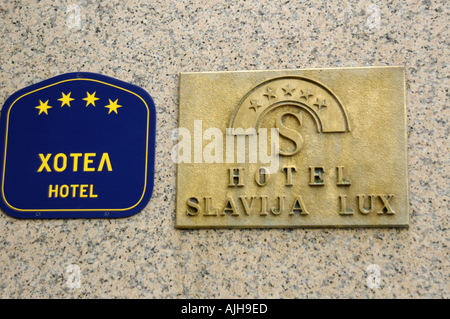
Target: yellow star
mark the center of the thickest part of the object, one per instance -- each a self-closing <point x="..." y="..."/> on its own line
<point x="66" y="99"/>
<point x="43" y="107"/>
<point x="90" y="99"/>
<point x="113" y="106"/>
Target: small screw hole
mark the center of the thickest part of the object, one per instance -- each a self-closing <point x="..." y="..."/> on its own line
<point x="38" y="214"/>
<point x="80" y="75"/>
<point x="107" y="214"/>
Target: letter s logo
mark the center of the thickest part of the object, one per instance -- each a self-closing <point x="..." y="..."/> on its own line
<point x="290" y="134"/>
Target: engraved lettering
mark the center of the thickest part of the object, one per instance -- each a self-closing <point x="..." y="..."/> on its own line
<point x="280" y="209"/>
<point x="263" y="206"/>
<point x="290" y="134"/>
<point x="247" y="208"/>
<point x="230" y="207"/>
<point x="361" y="204"/>
<point x="208" y="210"/>
<point x="341" y="180"/>
<point x="193" y="203"/>
<point x="262" y="176"/>
<point x="344" y="210"/>
<point x="289" y="170"/>
<point x="236" y="177"/>
<point x="317" y="176"/>
<point x="299" y="206"/>
<point x="387" y="209"/>
<point x="339" y="176"/>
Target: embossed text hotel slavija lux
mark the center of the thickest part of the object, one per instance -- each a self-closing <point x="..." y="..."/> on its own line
<point x="331" y="159"/>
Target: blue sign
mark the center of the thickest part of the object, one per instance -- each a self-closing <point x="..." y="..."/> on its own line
<point x="80" y="145"/>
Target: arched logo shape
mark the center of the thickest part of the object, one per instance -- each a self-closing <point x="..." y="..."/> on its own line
<point x="316" y="99"/>
<point x="80" y="145"/>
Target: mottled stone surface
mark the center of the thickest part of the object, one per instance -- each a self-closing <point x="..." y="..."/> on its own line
<point x="148" y="43"/>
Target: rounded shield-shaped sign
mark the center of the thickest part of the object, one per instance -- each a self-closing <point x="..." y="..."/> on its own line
<point x="80" y="145"/>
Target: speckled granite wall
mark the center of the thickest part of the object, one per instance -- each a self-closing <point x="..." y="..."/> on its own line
<point x="148" y="43"/>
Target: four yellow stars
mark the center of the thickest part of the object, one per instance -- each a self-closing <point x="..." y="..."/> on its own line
<point x="90" y="99"/>
<point x="66" y="99"/>
<point x="113" y="106"/>
<point x="43" y="107"/>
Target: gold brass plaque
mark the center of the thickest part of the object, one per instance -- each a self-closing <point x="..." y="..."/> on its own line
<point x="292" y="148"/>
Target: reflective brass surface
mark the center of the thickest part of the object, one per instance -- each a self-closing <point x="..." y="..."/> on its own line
<point x="342" y="146"/>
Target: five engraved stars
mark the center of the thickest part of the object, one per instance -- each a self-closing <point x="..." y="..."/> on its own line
<point x="90" y="99"/>
<point x="289" y="91"/>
